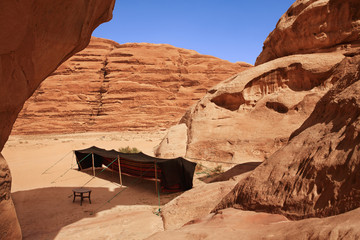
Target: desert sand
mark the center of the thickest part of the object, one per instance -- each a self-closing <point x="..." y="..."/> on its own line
<point x="43" y="200"/>
<point x="44" y="174"/>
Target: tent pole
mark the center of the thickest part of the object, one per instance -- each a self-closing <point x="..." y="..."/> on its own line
<point x="93" y="165"/>
<point x="156" y="185"/>
<point x="120" y="171"/>
<point x="77" y="162"/>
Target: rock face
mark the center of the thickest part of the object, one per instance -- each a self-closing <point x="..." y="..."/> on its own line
<point x="317" y="173"/>
<point x="113" y="87"/>
<point x="251" y="115"/>
<point x="36" y="37"/>
<point x="311" y="26"/>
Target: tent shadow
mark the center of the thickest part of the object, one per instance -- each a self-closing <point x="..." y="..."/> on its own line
<point x="43" y="212"/>
<point x="146" y="186"/>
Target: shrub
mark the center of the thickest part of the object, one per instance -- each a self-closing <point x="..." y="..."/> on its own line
<point x="218" y="169"/>
<point x="129" y="150"/>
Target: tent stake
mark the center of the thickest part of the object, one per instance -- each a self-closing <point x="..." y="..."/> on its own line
<point x="120" y="171"/>
<point x="156" y="180"/>
<point x="93" y="165"/>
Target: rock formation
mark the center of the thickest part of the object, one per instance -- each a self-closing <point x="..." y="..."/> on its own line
<point x="311" y="26"/>
<point x="232" y="224"/>
<point x="194" y="204"/>
<point x="116" y="87"/>
<point x="251" y="115"/>
<point x="316" y="173"/>
<point x="36" y="36"/>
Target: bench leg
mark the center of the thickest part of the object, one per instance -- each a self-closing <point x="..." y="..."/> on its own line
<point x="74" y="197"/>
<point x="89" y="198"/>
<point x="81" y="195"/>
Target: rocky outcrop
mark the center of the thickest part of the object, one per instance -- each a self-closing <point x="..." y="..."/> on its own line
<point x="317" y="173"/>
<point x="193" y="204"/>
<point x="116" y="87"/>
<point x="311" y="26"/>
<point x="9" y="226"/>
<point x="36" y="36"/>
<point x="234" y="224"/>
<point x="251" y="115"/>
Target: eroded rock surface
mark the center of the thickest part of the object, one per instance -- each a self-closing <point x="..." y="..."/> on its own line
<point x="251" y="115"/>
<point x="311" y="26"/>
<point x="317" y="173"/>
<point x="116" y="87"/>
<point x="36" y="36"/>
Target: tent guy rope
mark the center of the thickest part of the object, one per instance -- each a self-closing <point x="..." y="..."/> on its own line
<point x="68" y="170"/>
<point x="96" y="174"/>
<point x="56" y="163"/>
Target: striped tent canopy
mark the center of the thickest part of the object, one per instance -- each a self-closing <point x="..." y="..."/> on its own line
<point x="174" y="174"/>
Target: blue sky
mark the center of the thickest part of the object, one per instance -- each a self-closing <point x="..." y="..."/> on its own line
<point x="229" y="29"/>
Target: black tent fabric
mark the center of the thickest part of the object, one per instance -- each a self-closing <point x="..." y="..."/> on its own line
<point x="174" y="174"/>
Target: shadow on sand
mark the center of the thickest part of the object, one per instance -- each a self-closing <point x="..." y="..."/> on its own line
<point x="43" y="212"/>
<point x="232" y="172"/>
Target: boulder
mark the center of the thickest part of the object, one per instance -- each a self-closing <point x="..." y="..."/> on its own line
<point x="37" y="36"/>
<point x="174" y="143"/>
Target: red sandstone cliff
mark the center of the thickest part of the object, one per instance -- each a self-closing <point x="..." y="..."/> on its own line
<point x="116" y="87"/>
<point x="36" y="37"/>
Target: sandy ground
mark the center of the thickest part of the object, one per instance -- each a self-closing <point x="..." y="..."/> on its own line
<point x="43" y="196"/>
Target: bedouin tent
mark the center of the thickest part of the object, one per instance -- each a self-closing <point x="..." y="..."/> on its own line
<point x="174" y="174"/>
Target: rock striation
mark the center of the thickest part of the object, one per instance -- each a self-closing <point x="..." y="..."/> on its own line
<point x="120" y="87"/>
<point x="36" y="37"/>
